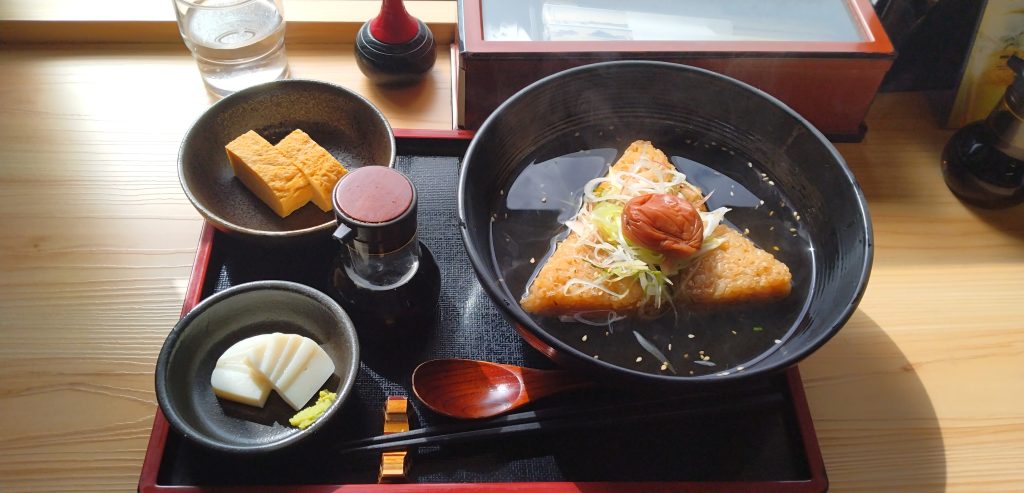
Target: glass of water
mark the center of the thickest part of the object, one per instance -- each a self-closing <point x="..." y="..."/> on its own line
<point x="237" y="43"/>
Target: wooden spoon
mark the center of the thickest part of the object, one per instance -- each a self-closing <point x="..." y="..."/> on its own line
<point x="469" y="389"/>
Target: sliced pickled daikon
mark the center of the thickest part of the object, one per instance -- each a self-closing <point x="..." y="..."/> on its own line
<point x="292" y="343"/>
<point x="297" y="363"/>
<point x="233" y="379"/>
<point x="241" y="348"/>
<point x="308" y="378"/>
<point x="271" y="354"/>
<point x="293" y="365"/>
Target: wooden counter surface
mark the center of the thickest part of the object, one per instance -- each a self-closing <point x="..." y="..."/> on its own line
<point x="923" y="390"/>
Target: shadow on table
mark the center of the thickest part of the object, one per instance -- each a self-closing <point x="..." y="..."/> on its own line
<point x="875" y="421"/>
<point x="1009" y="221"/>
<point x="416" y="96"/>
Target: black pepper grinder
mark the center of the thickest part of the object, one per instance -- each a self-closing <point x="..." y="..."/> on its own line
<point x="384" y="277"/>
<point x="983" y="163"/>
<point x="395" y="48"/>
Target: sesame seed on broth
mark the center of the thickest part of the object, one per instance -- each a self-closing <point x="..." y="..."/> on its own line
<point x="547" y="191"/>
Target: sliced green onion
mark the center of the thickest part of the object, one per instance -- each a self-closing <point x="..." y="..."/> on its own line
<point x="591" y="284"/>
<point x="607" y="216"/>
<point x="610" y="317"/>
<point x="712" y="219"/>
<point x="651" y="348"/>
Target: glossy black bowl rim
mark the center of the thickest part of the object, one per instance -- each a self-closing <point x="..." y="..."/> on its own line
<point x="482" y="264"/>
<point x="345" y="386"/>
<point x="250" y="93"/>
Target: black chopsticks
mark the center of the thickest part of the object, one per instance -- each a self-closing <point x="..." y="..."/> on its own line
<point x="557" y="419"/>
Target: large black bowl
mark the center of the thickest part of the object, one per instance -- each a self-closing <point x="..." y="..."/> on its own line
<point x="763" y="149"/>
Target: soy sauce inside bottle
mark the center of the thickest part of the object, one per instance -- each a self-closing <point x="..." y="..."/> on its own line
<point x="983" y="163"/>
<point x="383" y="276"/>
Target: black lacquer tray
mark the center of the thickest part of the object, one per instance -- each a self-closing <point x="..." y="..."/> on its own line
<point x="764" y="443"/>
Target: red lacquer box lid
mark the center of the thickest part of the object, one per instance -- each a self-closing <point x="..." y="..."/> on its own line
<point x="824" y="59"/>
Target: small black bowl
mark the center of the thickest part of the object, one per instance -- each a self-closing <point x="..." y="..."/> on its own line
<point x="726" y="135"/>
<point x="344" y="123"/>
<point x="192" y="348"/>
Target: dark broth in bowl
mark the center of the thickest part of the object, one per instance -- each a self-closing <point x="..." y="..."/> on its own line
<point x="528" y="222"/>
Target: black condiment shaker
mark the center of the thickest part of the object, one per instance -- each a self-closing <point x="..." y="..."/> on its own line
<point x="395" y="48"/>
<point x="983" y="163"/>
<point x="384" y="277"/>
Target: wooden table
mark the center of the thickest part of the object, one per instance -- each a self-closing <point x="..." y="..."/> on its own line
<point x="923" y="390"/>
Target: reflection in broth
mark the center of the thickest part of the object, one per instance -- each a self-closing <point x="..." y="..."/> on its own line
<point x="557" y="184"/>
<point x="528" y="224"/>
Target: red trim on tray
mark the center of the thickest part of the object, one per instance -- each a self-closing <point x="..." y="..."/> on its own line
<point x="198" y="275"/>
<point x="158" y="437"/>
<point x="812" y="450"/>
<point x="876" y="42"/>
<point x="421" y="133"/>
<point x="551" y="487"/>
<point x="154" y="454"/>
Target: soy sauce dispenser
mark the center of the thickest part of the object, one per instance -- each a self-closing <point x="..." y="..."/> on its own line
<point x="384" y="277"/>
<point x="395" y="48"/>
<point x="983" y="163"/>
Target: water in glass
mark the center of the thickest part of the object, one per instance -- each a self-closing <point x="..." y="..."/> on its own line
<point x="237" y="44"/>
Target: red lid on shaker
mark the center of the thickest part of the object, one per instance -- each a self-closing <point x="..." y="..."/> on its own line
<point x="375" y="206"/>
<point x="394" y="25"/>
<point x="373" y="194"/>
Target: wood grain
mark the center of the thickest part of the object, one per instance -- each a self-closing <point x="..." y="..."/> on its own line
<point x="97" y="240"/>
<point x="151" y="21"/>
<point x="923" y="390"/>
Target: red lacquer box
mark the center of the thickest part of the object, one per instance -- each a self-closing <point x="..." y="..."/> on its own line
<point x="824" y="59"/>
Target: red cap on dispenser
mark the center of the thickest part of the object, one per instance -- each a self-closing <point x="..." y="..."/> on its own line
<point x="393" y="25"/>
<point x="375" y="206"/>
<point x="373" y="194"/>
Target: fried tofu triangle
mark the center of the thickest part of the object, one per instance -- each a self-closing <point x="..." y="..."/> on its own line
<point x="735" y="271"/>
<point x="548" y="294"/>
